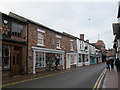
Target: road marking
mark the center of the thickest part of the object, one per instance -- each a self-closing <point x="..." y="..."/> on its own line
<point x="99" y="79"/>
<point x="32" y="79"/>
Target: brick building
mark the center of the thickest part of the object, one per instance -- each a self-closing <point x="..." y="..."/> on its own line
<point x="44" y="44"/>
<point x="14" y="44"/>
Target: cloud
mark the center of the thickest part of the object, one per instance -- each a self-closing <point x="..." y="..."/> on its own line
<point x="91" y="18"/>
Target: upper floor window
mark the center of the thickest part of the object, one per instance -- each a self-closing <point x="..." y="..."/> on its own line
<point x="71" y="45"/>
<point x="40" y="37"/>
<point x="86" y="46"/>
<point x="80" y="44"/>
<point x="58" y="42"/>
<point x="17" y="29"/>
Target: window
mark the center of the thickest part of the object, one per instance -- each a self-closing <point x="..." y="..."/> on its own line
<point x="40" y="60"/>
<point x="58" y="42"/>
<point x="86" y="46"/>
<point x="41" y="37"/>
<point x="80" y="44"/>
<point x="5" y="56"/>
<point x="79" y="57"/>
<point x="72" y="59"/>
<point x="71" y="45"/>
<point x="17" y="29"/>
<point x="86" y="58"/>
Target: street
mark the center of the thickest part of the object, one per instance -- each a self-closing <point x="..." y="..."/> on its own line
<point x="83" y="78"/>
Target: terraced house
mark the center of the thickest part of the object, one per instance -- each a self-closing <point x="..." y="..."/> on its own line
<point x="44" y="44"/>
<point x="29" y="47"/>
<point x="83" y="51"/>
<point x="14" y="44"/>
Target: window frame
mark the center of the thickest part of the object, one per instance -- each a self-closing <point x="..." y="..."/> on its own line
<point x="58" y="42"/>
<point x="17" y="27"/>
<point x="71" y="45"/>
<point x="39" y="38"/>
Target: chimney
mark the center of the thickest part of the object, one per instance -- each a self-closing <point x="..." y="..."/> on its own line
<point x="82" y="36"/>
<point x="87" y="40"/>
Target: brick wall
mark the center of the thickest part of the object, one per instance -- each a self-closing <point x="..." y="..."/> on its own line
<point x="49" y="37"/>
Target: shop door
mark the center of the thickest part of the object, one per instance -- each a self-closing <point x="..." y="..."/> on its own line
<point x="83" y="57"/>
<point x="16" y="62"/>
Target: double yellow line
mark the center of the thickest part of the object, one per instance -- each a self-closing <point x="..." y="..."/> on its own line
<point x="99" y="80"/>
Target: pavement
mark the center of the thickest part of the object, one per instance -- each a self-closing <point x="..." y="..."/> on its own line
<point x="82" y="77"/>
<point x="112" y="79"/>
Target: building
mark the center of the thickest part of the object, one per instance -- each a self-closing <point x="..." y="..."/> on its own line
<point x="44" y="44"/>
<point x="100" y="44"/>
<point x="14" y="45"/>
<point x="92" y="54"/>
<point x="83" y="51"/>
<point x="116" y="33"/>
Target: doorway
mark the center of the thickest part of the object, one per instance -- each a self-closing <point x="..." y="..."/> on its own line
<point x="16" y="61"/>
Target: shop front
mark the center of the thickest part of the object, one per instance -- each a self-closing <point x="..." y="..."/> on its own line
<point x="45" y="59"/>
<point x="71" y="60"/>
<point x="92" y="59"/>
<point x="13" y="58"/>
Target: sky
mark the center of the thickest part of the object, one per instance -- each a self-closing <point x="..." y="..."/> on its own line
<point x="92" y="18"/>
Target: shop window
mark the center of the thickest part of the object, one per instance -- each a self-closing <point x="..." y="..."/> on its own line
<point x="86" y="58"/>
<point x="5" y="56"/>
<point x="17" y="29"/>
<point x="39" y="60"/>
<point x="79" y="57"/>
<point x="72" y="59"/>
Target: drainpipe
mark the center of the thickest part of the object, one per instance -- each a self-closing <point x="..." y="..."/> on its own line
<point x="27" y="48"/>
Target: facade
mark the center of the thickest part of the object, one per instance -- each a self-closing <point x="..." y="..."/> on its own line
<point x="100" y="44"/>
<point x="92" y="54"/>
<point x="29" y="47"/>
<point x="44" y="44"/>
<point x="83" y="52"/>
<point x="14" y="44"/>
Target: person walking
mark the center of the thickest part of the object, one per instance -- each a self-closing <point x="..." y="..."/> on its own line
<point x="108" y="64"/>
<point x="57" y="62"/>
<point x="117" y="64"/>
<point x="112" y="63"/>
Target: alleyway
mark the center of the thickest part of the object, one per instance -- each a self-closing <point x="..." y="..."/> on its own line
<point x="81" y="78"/>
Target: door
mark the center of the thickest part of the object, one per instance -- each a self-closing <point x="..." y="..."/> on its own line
<point x="16" y="62"/>
<point x="83" y="57"/>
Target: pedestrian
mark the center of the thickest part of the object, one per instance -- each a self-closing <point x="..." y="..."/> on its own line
<point x="108" y="64"/>
<point x="57" y="62"/>
<point x="117" y="64"/>
<point x="112" y="63"/>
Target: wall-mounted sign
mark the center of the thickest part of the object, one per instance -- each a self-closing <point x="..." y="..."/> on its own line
<point x="5" y="22"/>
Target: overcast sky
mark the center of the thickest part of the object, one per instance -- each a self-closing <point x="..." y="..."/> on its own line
<point x="89" y="18"/>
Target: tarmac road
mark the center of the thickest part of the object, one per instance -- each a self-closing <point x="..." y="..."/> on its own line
<point x="84" y="77"/>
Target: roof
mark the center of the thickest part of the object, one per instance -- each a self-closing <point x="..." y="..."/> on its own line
<point x="36" y="23"/>
<point x="100" y="43"/>
<point x="14" y="18"/>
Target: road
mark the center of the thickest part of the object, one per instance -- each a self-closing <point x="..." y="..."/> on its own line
<point x="84" y="77"/>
